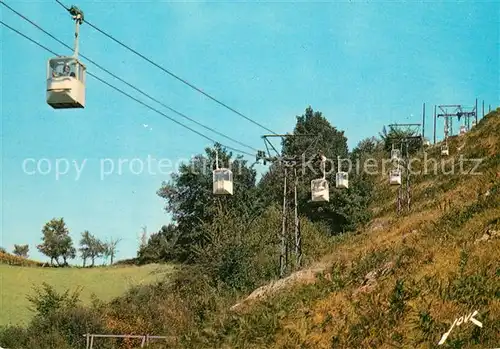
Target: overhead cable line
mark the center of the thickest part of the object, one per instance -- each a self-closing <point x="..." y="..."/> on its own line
<point x="172" y="74"/>
<point x="128" y="95"/>
<point x="127" y="83"/>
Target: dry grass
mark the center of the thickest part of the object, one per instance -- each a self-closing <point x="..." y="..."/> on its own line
<point x="440" y="273"/>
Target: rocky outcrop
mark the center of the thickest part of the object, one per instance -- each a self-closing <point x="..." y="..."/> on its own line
<point x="488" y="235"/>
<point x="371" y="279"/>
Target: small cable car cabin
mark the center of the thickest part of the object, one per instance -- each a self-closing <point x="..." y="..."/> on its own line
<point x="395" y="177"/>
<point x="319" y="190"/>
<point x="342" y="180"/>
<point x="444" y="150"/>
<point x="395" y="154"/>
<point x="462" y="130"/>
<point x="222" y="182"/>
<point x="65" y="83"/>
<point x="473" y="123"/>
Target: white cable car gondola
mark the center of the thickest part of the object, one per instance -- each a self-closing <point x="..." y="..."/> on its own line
<point x="395" y="154"/>
<point x="395" y="177"/>
<point x="319" y="190"/>
<point x="341" y="178"/>
<point x="66" y="75"/>
<point x="444" y="150"/>
<point x="319" y="187"/>
<point x="222" y="180"/>
<point x="65" y="83"/>
<point x="473" y="123"/>
<point x="462" y="130"/>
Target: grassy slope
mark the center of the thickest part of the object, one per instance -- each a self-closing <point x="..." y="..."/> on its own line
<point x="105" y="282"/>
<point x="434" y="270"/>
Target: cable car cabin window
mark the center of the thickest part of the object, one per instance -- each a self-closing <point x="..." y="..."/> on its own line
<point x="395" y="177"/>
<point x="319" y="185"/>
<point x="223" y="175"/>
<point x="65" y="67"/>
<point x="319" y="190"/>
<point x="342" y="180"/>
<point x="342" y="175"/>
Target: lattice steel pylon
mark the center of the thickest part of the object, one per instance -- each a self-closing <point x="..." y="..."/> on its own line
<point x="290" y="235"/>
<point x="403" y="201"/>
<point x="290" y="239"/>
<point x="450" y="111"/>
<point x="404" y="190"/>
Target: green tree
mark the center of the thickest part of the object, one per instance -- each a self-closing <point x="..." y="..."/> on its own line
<point x="84" y="249"/>
<point x="110" y="249"/>
<point x="161" y="246"/>
<point x="324" y="139"/>
<point x="21" y="250"/>
<point x="190" y="200"/>
<point x="91" y="247"/>
<point x="56" y="242"/>
<point x="367" y="147"/>
<point x="395" y="137"/>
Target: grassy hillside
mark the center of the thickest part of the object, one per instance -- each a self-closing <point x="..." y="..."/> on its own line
<point x="403" y="281"/>
<point x="106" y="283"/>
<point x="400" y="282"/>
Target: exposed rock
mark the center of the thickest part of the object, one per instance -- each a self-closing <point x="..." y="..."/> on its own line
<point x="371" y="279"/>
<point x="488" y="235"/>
<point x="306" y="276"/>
<point x="387" y="268"/>
<point x="365" y="289"/>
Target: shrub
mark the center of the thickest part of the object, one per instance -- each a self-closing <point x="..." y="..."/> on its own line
<point x="10" y="259"/>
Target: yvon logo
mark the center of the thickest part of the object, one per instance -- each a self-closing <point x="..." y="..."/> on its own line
<point x="458" y="322"/>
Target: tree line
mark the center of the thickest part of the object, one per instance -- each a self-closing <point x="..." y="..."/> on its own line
<point x="58" y="245"/>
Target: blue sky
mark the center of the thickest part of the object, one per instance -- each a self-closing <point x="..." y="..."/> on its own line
<point x="364" y="65"/>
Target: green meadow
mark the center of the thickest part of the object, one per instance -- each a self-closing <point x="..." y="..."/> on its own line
<point x="16" y="283"/>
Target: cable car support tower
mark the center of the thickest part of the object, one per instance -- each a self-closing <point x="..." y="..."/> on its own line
<point x="290" y="235"/>
<point x="450" y="111"/>
<point x="400" y="159"/>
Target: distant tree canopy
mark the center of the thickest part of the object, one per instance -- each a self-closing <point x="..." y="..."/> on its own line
<point x="367" y="147"/>
<point x="56" y="242"/>
<point x="161" y="246"/>
<point x="21" y="250"/>
<point x="396" y="136"/>
<point x="91" y="247"/>
<point x="325" y="137"/>
<point x="110" y="249"/>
